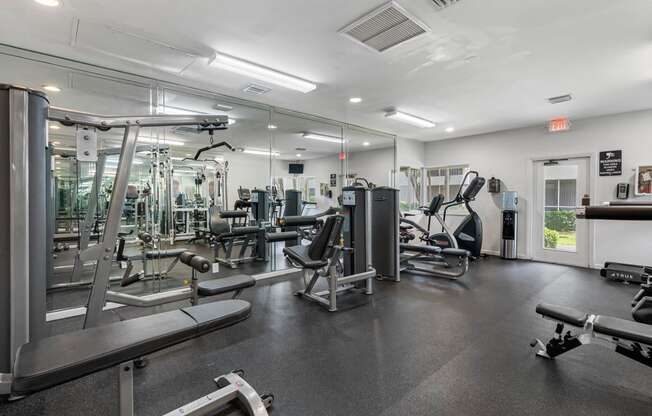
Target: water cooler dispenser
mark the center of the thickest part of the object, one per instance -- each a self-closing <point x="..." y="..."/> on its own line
<point x="508" y="248"/>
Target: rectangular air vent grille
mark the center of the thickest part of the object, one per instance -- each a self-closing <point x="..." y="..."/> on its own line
<point x="386" y="27"/>
<point x="256" y="89"/>
<point x="560" y="99"/>
<point x="442" y="4"/>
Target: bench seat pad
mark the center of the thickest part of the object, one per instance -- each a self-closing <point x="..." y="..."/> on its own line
<point x="419" y="248"/>
<point x="281" y="236"/>
<point x="623" y="329"/>
<point x="155" y="254"/>
<point x="236" y="213"/>
<point x="301" y="256"/>
<point x="61" y="358"/>
<point x="215" y="287"/>
<point x="562" y="313"/>
<point x="458" y="252"/>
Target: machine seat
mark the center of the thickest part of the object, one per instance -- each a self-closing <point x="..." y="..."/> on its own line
<point x="300" y="254"/>
<point x="238" y="232"/>
<point x="58" y="359"/>
<point x="623" y="329"/>
<point x="457" y="252"/>
<point x="236" y="213"/>
<point x="563" y="314"/>
<point x="419" y="248"/>
<point x="216" y="287"/>
<point x="282" y="236"/>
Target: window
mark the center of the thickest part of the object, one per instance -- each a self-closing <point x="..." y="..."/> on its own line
<point x="446" y="181"/>
<point x="409" y="185"/>
<point x="560" y="194"/>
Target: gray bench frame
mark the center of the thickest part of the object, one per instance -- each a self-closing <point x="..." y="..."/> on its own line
<point x="587" y="334"/>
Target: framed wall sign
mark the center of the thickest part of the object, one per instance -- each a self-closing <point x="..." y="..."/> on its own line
<point x="644" y="180"/>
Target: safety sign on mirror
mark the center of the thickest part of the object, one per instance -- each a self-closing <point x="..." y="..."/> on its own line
<point x="86" y="145"/>
<point x="348" y="198"/>
<point x="216" y="267"/>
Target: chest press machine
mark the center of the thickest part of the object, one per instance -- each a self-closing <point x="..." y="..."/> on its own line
<point x="30" y="360"/>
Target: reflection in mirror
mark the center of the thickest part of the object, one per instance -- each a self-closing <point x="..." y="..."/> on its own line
<point x="369" y="157"/>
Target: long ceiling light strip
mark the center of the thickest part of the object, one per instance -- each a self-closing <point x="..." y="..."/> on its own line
<point x="261" y="152"/>
<point x="410" y="119"/>
<point x="322" y="137"/>
<point x="242" y="67"/>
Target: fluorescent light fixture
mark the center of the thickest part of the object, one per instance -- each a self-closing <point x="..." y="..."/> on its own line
<point x="176" y="158"/>
<point x="56" y="143"/>
<point x="153" y="140"/>
<point x="242" y="67"/>
<point x="54" y="127"/>
<point x="366" y="144"/>
<point x="51" y="88"/>
<point x="261" y="152"/>
<point x="322" y="137"/>
<point x="355" y="100"/>
<point x="232" y="121"/>
<point x="410" y="119"/>
<point x="298" y="154"/>
<point x="49" y="3"/>
<point x="272" y="126"/>
<point x="223" y="107"/>
<point x="450" y="129"/>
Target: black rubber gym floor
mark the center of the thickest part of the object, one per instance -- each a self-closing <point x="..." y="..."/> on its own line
<point x="423" y="346"/>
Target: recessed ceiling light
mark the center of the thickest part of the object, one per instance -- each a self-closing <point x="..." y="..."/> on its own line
<point x="322" y="137"/>
<point x="188" y="154"/>
<point x="298" y="154"/>
<point x="249" y="69"/>
<point x="51" y="88"/>
<point x="54" y="127"/>
<point x="366" y="144"/>
<point x="410" y="119"/>
<point x="272" y="127"/>
<point x="355" y="100"/>
<point x="450" y="129"/>
<point x="49" y="3"/>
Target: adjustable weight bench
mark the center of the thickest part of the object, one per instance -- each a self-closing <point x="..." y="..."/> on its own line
<point x="628" y="338"/>
<point x="42" y="364"/>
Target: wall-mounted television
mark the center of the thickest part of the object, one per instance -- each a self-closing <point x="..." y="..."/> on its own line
<point x="296" y="168"/>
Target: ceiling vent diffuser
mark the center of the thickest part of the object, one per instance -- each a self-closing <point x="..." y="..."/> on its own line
<point x="442" y="4"/>
<point x="256" y="89"/>
<point x="386" y="27"/>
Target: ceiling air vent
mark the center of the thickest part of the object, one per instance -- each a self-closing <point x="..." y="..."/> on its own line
<point x="560" y="99"/>
<point x="388" y="26"/>
<point x="442" y="4"/>
<point x="256" y="89"/>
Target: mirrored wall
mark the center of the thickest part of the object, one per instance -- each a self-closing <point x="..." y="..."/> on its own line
<point x="187" y="182"/>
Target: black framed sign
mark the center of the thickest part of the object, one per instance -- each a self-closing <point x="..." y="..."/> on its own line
<point x="333" y="180"/>
<point x="611" y="163"/>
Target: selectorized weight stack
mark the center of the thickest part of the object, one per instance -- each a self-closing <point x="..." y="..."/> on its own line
<point x="385" y="230"/>
<point x="356" y="204"/>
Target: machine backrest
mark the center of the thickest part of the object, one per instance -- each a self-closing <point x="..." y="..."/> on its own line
<point x="435" y="204"/>
<point x="320" y="247"/>
<point x="474" y="188"/>
<point x="216" y="224"/>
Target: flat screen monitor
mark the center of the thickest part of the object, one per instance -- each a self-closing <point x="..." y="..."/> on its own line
<point x="296" y="168"/>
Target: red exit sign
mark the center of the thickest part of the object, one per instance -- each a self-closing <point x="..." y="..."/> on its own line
<point x="559" y="124"/>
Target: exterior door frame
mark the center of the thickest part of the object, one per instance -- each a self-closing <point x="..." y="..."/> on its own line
<point x="531" y="180"/>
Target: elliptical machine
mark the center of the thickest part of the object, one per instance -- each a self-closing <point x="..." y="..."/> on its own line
<point x="468" y="234"/>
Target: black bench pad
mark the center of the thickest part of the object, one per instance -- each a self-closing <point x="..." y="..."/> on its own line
<point x="301" y="256"/>
<point x="155" y="254"/>
<point x="55" y="360"/>
<point x="281" y="236"/>
<point x="456" y="252"/>
<point x="238" y="231"/>
<point x="421" y="248"/>
<point x="623" y="329"/>
<point x="215" y="287"/>
<point x="562" y="313"/>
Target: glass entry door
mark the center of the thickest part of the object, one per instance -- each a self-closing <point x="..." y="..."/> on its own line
<point x="559" y="188"/>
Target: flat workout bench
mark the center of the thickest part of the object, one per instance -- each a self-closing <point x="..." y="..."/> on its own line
<point x="628" y="338"/>
<point x="52" y="361"/>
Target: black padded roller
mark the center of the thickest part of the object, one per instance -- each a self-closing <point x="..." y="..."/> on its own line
<point x="201" y="264"/>
<point x="186" y="257"/>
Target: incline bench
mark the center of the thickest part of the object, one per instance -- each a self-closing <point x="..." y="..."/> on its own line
<point x="52" y="361"/>
<point x="631" y="339"/>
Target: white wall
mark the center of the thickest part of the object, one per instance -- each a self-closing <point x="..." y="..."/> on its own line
<point x="373" y="165"/>
<point x="410" y="152"/>
<point x="508" y="155"/>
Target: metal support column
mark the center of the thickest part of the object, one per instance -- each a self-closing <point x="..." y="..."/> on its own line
<point x="103" y="252"/>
